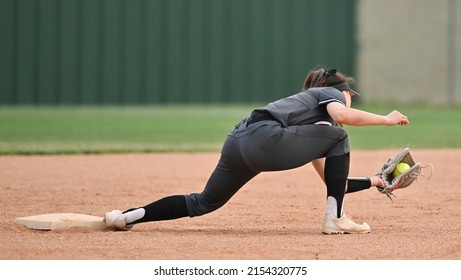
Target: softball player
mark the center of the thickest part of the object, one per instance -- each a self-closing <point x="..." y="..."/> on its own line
<point x="285" y="134"/>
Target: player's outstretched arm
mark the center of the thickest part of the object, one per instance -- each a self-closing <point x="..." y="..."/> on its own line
<point x="319" y="166"/>
<point x="356" y="117"/>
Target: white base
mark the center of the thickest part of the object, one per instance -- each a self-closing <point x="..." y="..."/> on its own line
<point x="61" y="220"/>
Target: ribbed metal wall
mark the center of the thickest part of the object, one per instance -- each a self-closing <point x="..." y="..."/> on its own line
<point x="168" y="51"/>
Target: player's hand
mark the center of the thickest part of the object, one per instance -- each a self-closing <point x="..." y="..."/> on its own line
<point x="397" y="118"/>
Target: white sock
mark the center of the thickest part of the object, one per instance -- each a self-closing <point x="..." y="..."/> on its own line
<point x="332" y="206"/>
<point x="134" y="215"/>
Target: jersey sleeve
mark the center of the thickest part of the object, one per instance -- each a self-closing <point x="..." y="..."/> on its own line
<point x="330" y="94"/>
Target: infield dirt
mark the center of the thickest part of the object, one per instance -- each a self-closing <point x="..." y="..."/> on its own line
<point x="277" y="215"/>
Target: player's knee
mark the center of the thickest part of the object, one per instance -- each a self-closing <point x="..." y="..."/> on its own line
<point x="199" y="204"/>
<point x="341" y="134"/>
<point x="342" y="143"/>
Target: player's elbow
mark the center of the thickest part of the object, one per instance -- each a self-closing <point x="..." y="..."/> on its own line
<point x="338" y="112"/>
<point x="340" y="118"/>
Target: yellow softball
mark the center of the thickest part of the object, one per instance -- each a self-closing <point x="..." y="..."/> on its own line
<point x="400" y="168"/>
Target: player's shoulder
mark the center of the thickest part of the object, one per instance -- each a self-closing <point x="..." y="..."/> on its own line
<point x="325" y="95"/>
<point x="324" y="90"/>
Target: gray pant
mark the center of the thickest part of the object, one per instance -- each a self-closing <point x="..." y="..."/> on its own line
<point x="264" y="146"/>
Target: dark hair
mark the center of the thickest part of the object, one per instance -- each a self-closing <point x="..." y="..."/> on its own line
<point x="325" y="78"/>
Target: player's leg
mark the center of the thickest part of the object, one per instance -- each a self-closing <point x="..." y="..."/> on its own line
<point x="223" y="183"/>
<point x="335" y="220"/>
<point x="230" y="174"/>
<point x="167" y="208"/>
<point x="336" y="171"/>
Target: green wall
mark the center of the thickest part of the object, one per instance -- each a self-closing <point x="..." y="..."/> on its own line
<point x="168" y="51"/>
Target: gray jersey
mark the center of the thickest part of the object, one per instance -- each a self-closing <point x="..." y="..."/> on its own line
<point x="307" y="107"/>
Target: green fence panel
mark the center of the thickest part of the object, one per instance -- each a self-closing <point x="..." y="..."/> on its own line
<point x="168" y="51"/>
<point x="7" y="52"/>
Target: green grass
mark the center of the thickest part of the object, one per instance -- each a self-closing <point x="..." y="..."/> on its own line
<point x="76" y="130"/>
<point x="69" y="130"/>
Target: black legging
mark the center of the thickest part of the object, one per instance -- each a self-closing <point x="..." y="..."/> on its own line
<point x="250" y="150"/>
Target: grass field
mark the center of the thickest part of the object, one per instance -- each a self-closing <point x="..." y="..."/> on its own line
<point x="73" y="130"/>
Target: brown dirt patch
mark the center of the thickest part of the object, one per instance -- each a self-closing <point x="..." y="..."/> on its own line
<point x="275" y="216"/>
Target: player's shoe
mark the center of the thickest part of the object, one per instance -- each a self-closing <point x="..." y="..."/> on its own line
<point x="116" y="220"/>
<point x="343" y="225"/>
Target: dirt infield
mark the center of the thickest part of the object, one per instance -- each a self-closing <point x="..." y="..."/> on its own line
<point x="275" y="216"/>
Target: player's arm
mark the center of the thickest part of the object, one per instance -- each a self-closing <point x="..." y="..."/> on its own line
<point x="354" y="117"/>
<point x="354" y="183"/>
<point x="358" y="182"/>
